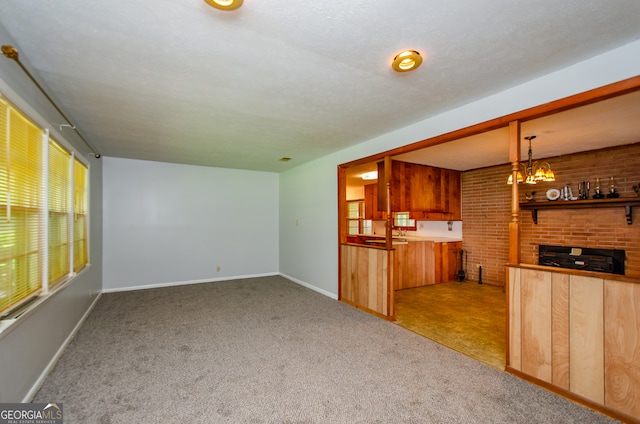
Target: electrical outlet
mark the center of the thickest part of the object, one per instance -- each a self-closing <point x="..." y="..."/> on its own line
<point x="218" y="268"/>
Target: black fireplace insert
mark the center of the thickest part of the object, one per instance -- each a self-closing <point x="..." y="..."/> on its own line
<point x="600" y="260"/>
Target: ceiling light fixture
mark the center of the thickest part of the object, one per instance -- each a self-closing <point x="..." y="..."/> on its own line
<point x="532" y="173"/>
<point x="407" y="60"/>
<point x="224" y="4"/>
<point x="373" y="175"/>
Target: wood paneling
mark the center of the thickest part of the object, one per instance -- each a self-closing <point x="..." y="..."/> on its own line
<point x="594" y="335"/>
<point x="364" y="278"/>
<point x="622" y="346"/>
<point x="560" y="329"/>
<point x="514" y="357"/>
<point x="586" y="337"/>
<point x="536" y="324"/>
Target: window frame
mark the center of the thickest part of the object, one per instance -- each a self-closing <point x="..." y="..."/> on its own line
<point x="412" y="223"/>
<point x="43" y="285"/>
<point x="359" y="218"/>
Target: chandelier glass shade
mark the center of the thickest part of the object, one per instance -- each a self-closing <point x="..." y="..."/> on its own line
<point x="533" y="172"/>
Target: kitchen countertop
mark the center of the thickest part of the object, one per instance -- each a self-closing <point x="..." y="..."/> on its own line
<point x="414" y="238"/>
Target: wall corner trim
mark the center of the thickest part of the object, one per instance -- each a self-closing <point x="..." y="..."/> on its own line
<point x="309" y="286"/>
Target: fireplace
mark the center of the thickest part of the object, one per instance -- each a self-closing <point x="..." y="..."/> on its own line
<point x="600" y="260"/>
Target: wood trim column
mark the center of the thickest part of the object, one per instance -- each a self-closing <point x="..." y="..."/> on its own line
<point x="514" y="224"/>
<point x="342" y="221"/>
<point x="387" y="189"/>
<point x="389" y="239"/>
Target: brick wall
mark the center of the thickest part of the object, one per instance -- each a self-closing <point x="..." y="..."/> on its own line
<point x="486" y="212"/>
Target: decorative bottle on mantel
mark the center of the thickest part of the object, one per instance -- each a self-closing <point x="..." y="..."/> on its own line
<point x="613" y="193"/>
<point x="598" y="194"/>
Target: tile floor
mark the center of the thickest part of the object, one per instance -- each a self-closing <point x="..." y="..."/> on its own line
<point x="467" y="317"/>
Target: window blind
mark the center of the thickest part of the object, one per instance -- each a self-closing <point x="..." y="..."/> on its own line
<point x="21" y="200"/>
<point x="59" y="212"/>
<point x="80" y="202"/>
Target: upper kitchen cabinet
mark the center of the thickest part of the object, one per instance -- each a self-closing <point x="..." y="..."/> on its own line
<point x="371" y="210"/>
<point x="427" y="192"/>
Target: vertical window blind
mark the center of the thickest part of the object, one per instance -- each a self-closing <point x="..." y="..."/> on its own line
<point x="38" y="202"/>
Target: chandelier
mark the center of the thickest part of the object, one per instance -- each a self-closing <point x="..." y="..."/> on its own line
<point x="533" y="172"/>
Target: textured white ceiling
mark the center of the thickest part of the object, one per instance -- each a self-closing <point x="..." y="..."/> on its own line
<point x="182" y="82"/>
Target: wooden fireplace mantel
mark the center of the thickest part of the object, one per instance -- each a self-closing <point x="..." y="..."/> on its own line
<point x="627" y="202"/>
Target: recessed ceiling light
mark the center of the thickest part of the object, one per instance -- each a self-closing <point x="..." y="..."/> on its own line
<point x="407" y="60"/>
<point x="224" y="4"/>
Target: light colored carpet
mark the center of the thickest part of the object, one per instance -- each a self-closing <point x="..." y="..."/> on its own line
<point x="267" y="350"/>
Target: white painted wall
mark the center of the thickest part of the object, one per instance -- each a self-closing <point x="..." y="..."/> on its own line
<point x="171" y="224"/>
<point x="309" y="253"/>
<point x="309" y="225"/>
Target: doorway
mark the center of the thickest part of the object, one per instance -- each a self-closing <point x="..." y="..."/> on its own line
<point x="486" y="154"/>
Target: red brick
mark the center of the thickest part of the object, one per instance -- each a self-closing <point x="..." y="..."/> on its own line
<point x="486" y="213"/>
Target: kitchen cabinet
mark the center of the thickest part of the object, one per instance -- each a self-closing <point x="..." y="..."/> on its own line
<point x="451" y="260"/>
<point x="414" y="265"/>
<point x="427" y="192"/>
<point x="371" y="206"/>
<point x="447" y="261"/>
<point x="422" y="263"/>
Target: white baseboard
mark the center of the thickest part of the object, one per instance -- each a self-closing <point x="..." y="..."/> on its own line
<point x="309" y="286"/>
<point x="213" y="280"/>
<point x="184" y="283"/>
<point x="36" y="386"/>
